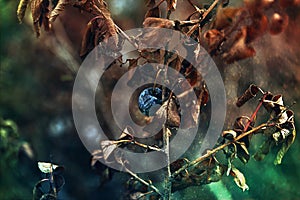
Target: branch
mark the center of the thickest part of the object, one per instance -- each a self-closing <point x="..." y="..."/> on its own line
<point x="215" y="150"/>
<point x="144" y="182"/>
<point x="205" y="14"/>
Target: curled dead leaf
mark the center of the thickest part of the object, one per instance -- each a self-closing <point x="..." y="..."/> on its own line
<point x="247" y="95"/>
<point x="239" y="178"/>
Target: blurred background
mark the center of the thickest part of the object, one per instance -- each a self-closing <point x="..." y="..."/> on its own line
<point x="36" y="80"/>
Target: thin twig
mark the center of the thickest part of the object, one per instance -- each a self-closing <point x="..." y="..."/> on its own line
<point x="205" y="14"/>
<point x="144" y="182"/>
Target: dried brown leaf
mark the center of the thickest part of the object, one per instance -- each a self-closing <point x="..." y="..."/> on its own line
<point x="214" y="38"/>
<point x="158" y="23"/>
<point x="40" y="15"/>
<point x="239" y="178"/>
<point x="171" y="4"/>
<point x="153" y="12"/>
<point x="60" y="7"/>
<point x="99" y="29"/>
<point x="22" y="9"/>
<point x="247" y="95"/>
<point x="225" y="17"/>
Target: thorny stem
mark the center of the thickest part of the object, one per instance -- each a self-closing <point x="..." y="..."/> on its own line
<point x="144" y="182"/>
<point x="215" y="150"/>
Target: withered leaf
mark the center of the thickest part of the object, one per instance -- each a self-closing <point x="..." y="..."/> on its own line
<point x="247" y="95"/>
<point x="289" y="139"/>
<point x="230" y="134"/>
<point x="214" y="38"/>
<point x="239" y="178"/>
<point x="274" y="104"/>
<point x="240" y="49"/>
<point x="40" y="15"/>
<point x="224" y="17"/>
<point x="258" y="27"/>
<point x="171" y="4"/>
<point x="99" y="29"/>
<point x="60" y="7"/>
<point x="242" y="152"/>
<point x="158" y="23"/>
<point x="285" y="147"/>
<point x="240" y="123"/>
<point x="108" y="147"/>
<point x="153" y="12"/>
<point x="22" y="9"/>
